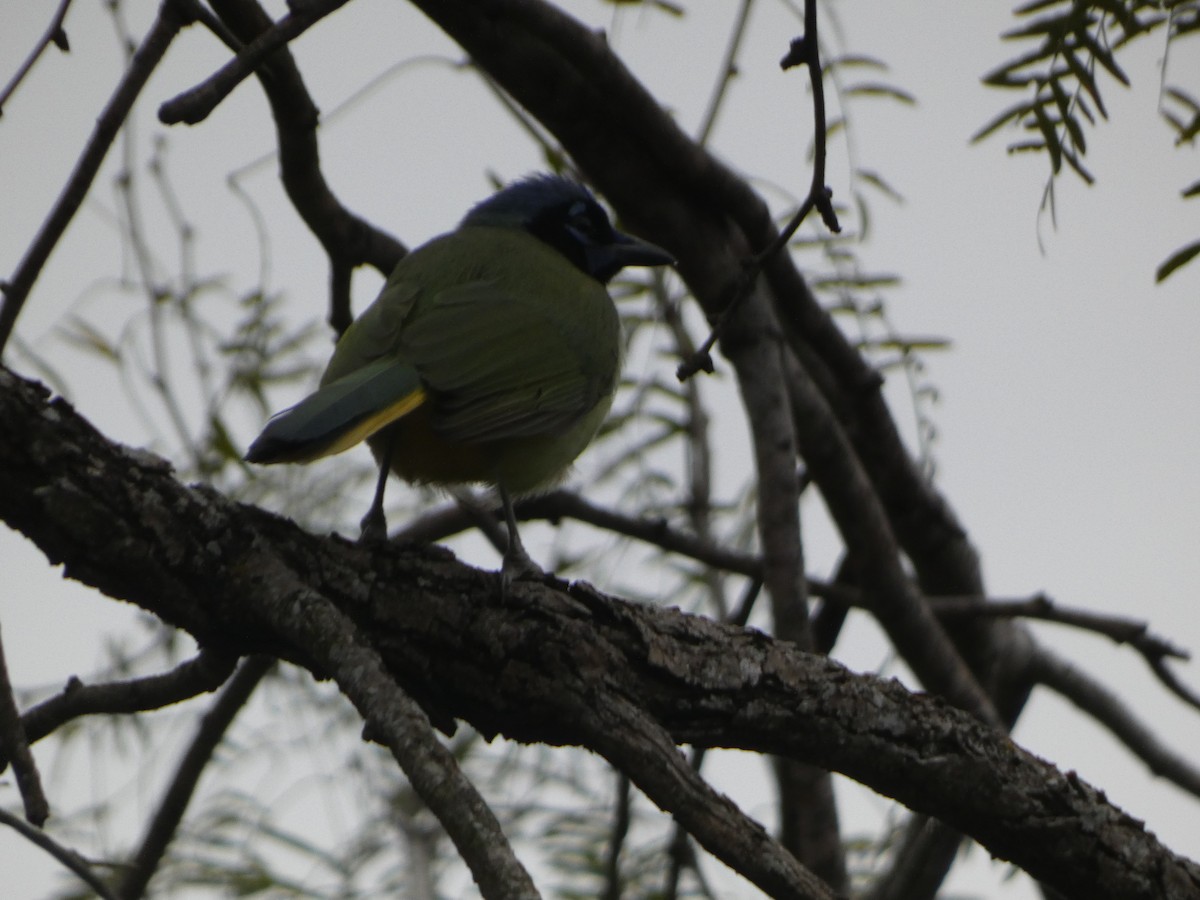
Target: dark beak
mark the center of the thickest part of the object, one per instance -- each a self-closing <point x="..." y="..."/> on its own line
<point x="606" y="260"/>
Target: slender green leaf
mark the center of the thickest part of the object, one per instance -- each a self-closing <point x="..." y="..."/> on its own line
<point x="1012" y="114"/>
<point x="875" y="89"/>
<point x="877" y="181"/>
<point x="1081" y="170"/>
<point x="1176" y="260"/>
<point x="1054" y="27"/>
<point x="1083" y="74"/>
<point x="1034" y="6"/>
<point x="1045" y="125"/>
<point x="853" y="60"/>
<point x="1105" y="57"/>
<point x="1027" y="147"/>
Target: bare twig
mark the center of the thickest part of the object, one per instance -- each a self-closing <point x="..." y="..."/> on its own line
<point x="206" y="672"/>
<point x="172" y="16"/>
<point x="726" y="73"/>
<point x="209" y="734"/>
<point x="15" y="746"/>
<point x="64" y="855"/>
<point x="616" y="840"/>
<point x="347" y="239"/>
<point x="194" y="105"/>
<point x="1106" y="708"/>
<point x="440" y="523"/>
<point x="1120" y="629"/>
<point x="1173" y="684"/>
<point x="804" y="50"/>
<point x="54" y="34"/>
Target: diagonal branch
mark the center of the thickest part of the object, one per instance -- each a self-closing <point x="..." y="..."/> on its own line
<point x="14" y="744"/>
<point x="206" y="672"/>
<point x="209" y="733"/>
<point x="64" y="855"/>
<point x="631" y="740"/>
<point x="348" y="239"/>
<point x="194" y="105"/>
<point x="54" y="34"/>
<point x="172" y="16"/>
<point x="1115" y="716"/>
<point x="307" y="618"/>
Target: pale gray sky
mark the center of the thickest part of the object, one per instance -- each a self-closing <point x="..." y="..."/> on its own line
<point x="1068" y="422"/>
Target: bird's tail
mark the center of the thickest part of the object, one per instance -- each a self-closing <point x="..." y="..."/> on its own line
<point x="340" y="414"/>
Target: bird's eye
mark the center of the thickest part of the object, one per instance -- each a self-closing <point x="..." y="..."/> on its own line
<point x="588" y="222"/>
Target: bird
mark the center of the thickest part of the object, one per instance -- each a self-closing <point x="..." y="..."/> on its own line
<point x="490" y="356"/>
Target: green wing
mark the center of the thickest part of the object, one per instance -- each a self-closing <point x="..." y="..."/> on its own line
<point x="501" y="364"/>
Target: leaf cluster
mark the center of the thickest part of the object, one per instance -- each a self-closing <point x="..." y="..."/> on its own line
<point x="1073" y="39"/>
<point x="1075" y="43"/>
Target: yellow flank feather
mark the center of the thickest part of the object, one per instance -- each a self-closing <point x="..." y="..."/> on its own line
<point x="374" y="423"/>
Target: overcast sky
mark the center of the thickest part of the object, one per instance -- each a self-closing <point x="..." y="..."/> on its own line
<point x="1068" y="424"/>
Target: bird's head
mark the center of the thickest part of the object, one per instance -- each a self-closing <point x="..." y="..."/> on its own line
<point x="565" y="215"/>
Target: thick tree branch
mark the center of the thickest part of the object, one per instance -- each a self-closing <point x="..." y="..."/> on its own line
<point x="534" y="666"/>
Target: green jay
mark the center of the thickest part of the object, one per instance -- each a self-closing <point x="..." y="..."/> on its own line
<point x="490" y="356"/>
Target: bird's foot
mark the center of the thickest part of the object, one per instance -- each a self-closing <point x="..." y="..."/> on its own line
<point x="374" y="527"/>
<point x="518" y="566"/>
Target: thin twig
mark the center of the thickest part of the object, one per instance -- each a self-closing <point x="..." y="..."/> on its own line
<point x="804" y="50"/>
<point x="347" y="239"/>
<point x="54" y="34"/>
<point x="64" y="855"/>
<point x="209" y="734"/>
<point x="206" y="672"/>
<point x="15" y="746"/>
<point x="1115" y="716"/>
<point x="655" y="531"/>
<point x="173" y="15"/>
<point x="1173" y="684"/>
<point x="1134" y="633"/>
<point x="195" y="104"/>
<point x="442" y="522"/>
<point x="727" y="72"/>
<point x="1120" y="629"/>
<point x="616" y="840"/>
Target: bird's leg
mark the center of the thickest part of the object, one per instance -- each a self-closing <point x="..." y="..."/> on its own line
<point x="517" y="563"/>
<point x="374" y="523"/>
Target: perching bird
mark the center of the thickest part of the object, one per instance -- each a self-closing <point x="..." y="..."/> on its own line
<point x="491" y="355"/>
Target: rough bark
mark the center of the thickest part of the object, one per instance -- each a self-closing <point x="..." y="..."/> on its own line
<point x="549" y="663"/>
